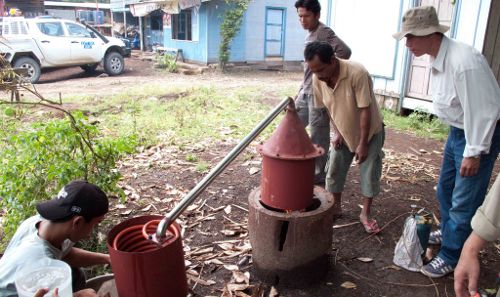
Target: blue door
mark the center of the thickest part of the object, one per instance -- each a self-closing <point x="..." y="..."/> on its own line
<point x="275" y="32"/>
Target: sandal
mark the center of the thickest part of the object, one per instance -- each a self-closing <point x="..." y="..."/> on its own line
<point x="371" y="226"/>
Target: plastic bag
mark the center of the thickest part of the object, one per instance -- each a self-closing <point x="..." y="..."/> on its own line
<point x="408" y="249"/>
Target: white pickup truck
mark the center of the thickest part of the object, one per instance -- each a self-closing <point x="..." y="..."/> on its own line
<point x="41" y="43"/>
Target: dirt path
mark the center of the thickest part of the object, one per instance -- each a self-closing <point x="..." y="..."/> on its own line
<point x="215" y="226"/>
<point x="71" y="81"/>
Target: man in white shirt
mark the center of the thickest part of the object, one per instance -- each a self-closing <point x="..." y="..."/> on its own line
<point x="466" y="96"/>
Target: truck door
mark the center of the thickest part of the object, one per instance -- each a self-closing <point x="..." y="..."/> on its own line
<point x="53" y="43"/>
<point x="85" y="47"/>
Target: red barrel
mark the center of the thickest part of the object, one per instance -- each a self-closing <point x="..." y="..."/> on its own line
<point x="288" y="160"/>
<point x="152" y="270"/>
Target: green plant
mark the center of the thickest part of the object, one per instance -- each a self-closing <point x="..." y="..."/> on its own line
<point x="36" y="161"/>
<point x="191" y="158"/>
<point x="230" y="26"/>
<point x="418" y="122"/>
<point x="167" y="61"/>
<point x="201" y="167"/>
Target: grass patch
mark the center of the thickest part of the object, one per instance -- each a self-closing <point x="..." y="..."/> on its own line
<point x="175" y="115"/>
<point x="202" y="167"/>
<point x="197" y="114"/>
<point x="419" y="123"/>
<point x="191" y="158"/>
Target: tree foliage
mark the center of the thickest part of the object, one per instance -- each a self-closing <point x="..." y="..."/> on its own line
<point x="230" y="26"/>
<point x="37" y="159"/>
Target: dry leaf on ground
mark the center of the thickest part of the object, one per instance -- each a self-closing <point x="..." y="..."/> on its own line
<point x="348" y="285"/>
<point x="364" y="259"/>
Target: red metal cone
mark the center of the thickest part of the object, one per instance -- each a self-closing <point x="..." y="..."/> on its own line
<point x="290" y="140"/>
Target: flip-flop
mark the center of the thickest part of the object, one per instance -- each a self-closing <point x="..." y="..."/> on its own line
<point x="371" y="226"/>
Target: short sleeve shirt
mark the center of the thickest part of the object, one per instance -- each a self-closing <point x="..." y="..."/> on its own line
<point x="354" y="90"/>
<point x="23" y="251"/>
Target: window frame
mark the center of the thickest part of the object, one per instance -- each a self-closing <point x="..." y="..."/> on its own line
<point x="183" y="21"/>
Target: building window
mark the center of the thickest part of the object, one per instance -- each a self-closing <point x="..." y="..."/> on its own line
<point x="181" y="25"/>
<point x="157" y="21"/>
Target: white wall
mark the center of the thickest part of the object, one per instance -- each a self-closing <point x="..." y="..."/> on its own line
<point x="472" y="20"/>
<point x="367" y="27"/>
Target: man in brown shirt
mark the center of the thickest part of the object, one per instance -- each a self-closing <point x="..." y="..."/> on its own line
<point x="345" y="89"/>
<point x="316" y="118"/>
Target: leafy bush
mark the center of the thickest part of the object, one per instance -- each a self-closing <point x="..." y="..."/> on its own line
<point x="418" y="122"/>
<point x="167" y="61"/>
<point x="37" y="161"/>
<point x="230" y="26"/>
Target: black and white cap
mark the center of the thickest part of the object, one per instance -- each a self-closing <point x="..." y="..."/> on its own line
<point x="78" y="198"/>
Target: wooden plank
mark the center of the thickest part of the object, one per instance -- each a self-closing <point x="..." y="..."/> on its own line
<point x="491" y="35"/>
<point x="495" y="59"/>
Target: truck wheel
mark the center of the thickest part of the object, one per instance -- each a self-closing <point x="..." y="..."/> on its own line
<point x="34" y="70"/>
<point x="89" y="68"/>
<point x="113" y="63"/>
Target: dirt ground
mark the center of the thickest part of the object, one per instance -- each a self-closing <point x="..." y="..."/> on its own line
<point x="215" y="233"/>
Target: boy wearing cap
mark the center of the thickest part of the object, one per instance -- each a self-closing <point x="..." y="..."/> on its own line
<point x="345" y="89"/>
<point x="317" y="118"/>
<point x="60" y="223"/>
<point x="466" y="96"/>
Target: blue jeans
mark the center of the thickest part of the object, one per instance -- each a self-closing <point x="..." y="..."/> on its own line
<point x="319" y="124"/>
<point x="459" y="197"/>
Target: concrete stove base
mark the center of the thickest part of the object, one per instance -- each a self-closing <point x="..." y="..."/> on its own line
<point x="291" y="248"/>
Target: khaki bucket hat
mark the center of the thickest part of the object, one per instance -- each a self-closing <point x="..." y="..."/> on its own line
<point x="420" y="21"/>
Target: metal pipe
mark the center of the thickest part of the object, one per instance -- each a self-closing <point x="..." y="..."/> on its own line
<point x="207" y="180"/>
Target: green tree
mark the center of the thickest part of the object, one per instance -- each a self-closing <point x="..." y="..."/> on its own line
<point x="230" y="26"/>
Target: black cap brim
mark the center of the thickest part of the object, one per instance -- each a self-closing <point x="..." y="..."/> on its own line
<point x="52" y="210"/>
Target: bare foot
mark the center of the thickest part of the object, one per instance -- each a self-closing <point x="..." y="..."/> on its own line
<point x="370" y="225"/>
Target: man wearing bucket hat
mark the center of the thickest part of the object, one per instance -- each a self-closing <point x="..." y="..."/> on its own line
<point x="466" y="96"/>
<point x="60" y="223"/>
<point x="316" y="118"/>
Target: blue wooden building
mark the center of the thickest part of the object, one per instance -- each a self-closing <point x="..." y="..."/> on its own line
<point x="270" y="32"/>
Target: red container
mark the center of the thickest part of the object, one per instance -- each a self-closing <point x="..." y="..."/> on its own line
<point x="288" y="160"/>
<point x="158" y="272"/>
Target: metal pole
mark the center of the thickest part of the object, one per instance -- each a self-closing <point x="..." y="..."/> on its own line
<point x="112" y="23"/>
<point x="140" y="34"/>
<point x="207" y="180"/>
<point x="124" y="20"/>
